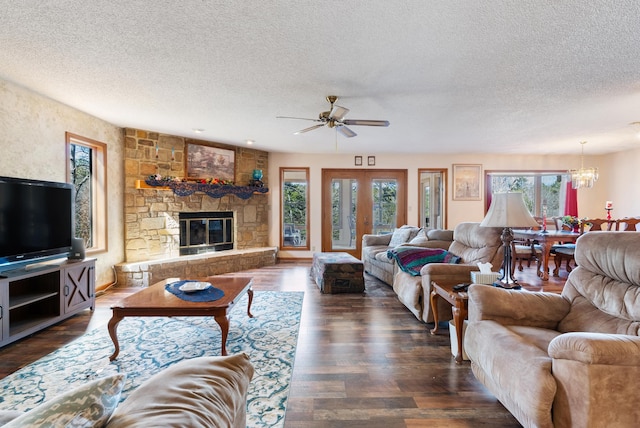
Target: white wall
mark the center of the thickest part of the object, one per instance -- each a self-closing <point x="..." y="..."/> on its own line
<point x="615" y="170"/>
<point x="622" y="183"/>
<point x="32" y="137"/>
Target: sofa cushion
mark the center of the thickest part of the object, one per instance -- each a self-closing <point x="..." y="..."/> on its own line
<point x="381" y="256"/>
<point x="439" y="235"/>
<point x="514" y="369"/>
<point x="403" y="234"/>
<point x="372" y="253"/>
<point x="199" y="392"/>
<point x="89" y="405"/>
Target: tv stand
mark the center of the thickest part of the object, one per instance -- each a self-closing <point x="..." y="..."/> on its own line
<point x="32" y="299"/>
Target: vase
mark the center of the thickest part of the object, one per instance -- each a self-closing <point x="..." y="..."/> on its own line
<point x="257" y="174"/>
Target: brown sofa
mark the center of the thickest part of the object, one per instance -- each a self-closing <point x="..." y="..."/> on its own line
<point x="569" y="360"/>
<point x="473" y="244"/>
<point x="375" y="247"/>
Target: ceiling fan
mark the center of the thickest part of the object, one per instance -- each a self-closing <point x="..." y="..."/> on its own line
<point x="334" y="118"/>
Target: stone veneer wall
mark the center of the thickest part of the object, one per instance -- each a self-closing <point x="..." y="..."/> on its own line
<point x="151" y="215"/>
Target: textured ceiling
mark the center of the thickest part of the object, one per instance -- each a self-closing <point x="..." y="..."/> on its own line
<point x="451" y="76"/>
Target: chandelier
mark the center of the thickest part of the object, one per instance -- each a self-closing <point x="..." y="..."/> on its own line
<point x="583" y="177"/>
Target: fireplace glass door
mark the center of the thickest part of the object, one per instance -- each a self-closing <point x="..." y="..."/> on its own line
<point x="205" y="232"/>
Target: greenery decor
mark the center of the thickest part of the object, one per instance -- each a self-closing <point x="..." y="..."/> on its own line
<point x="571" y="221"/>
<point x="574" y="222"/>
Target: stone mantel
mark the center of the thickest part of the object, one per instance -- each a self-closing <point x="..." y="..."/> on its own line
<point x="186" y="188"/>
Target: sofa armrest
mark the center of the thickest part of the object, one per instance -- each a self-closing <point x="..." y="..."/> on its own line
<point x="373" y="240"/>
<point x="597" y="348"/>
<point x="514" y="307"/>
<point x="447" y="273"/>
<point x="594" y="373"/>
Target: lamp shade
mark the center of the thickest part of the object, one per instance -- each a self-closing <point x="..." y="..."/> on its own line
<point x="508" y="210"/>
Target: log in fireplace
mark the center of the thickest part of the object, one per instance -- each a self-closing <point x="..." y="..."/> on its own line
<point x="203" y="232"/>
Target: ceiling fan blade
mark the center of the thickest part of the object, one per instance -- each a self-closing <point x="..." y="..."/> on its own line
<point x="346" y="131"/>
<point x="338" y="113"/>
<point x="299" y="118"/>
<point x="363" y="122"/>
<point x="311" y="128"/>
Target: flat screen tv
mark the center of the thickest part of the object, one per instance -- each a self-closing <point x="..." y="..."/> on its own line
<point x="36" y="221"/>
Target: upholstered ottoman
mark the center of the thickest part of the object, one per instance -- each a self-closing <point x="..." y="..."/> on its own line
<point x="337" y="273"/>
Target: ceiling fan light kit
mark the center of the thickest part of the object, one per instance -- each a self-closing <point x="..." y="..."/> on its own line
<point x="334" y="118"/>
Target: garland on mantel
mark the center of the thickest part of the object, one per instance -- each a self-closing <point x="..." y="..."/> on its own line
<point x="213" y="188"/>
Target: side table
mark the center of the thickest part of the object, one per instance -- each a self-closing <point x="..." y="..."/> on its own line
<point x="459" y="301"/>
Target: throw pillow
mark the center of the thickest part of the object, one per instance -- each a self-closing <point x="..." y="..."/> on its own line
<point x="89" y="405"/>
<point x="401" y="235"/>
<point x="419" y="240"/>
<point x="199" y="392"/>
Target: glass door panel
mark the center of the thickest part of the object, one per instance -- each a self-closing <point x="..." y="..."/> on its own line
<point x="350" y="211"/>
<point x="432" y="198"/>
<point x="344" y="195"/>
<point x="384" y="194"/>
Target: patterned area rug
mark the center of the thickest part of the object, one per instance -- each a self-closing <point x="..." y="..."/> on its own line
<point x="147" y="345"/>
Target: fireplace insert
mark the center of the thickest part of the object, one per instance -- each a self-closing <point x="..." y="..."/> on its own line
<point x="203" y="232"/>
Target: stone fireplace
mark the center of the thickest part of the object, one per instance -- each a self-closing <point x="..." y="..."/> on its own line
<point x="152" y="214"/>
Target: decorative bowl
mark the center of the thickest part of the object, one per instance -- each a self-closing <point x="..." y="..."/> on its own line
<point x="193" y="286"/>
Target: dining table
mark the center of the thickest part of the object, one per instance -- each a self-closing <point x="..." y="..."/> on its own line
<point x="546" y="239"/>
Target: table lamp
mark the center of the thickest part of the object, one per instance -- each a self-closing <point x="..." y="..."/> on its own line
<point x="507" y="210"/>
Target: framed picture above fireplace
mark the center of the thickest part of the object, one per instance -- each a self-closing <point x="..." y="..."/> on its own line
<point x="205" y="161"/>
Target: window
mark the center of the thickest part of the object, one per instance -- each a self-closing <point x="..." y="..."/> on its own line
<point x="87" y="168"/>
<point x="542" y="191"/>
<point x="294" y="207"/>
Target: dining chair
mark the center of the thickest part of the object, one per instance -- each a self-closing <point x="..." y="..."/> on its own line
<point x="562" y="252"/>
<point x="593" y="224"/>
<point x="628" y="224"/>
<point x="527" y="250"/>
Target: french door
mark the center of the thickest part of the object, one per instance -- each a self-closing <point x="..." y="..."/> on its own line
<point x="358" y="202"/>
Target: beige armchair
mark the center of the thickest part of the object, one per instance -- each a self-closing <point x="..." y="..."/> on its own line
<point x="473" y="244"/>
<point x="569" y="360"/>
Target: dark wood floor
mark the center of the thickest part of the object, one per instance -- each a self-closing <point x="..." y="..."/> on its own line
<point x="361" y="361"/>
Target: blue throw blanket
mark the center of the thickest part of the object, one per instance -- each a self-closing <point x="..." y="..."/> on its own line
<point x="411" y="259"/>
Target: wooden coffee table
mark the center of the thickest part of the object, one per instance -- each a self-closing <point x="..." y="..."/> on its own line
<point x="459" y="301"/>
<point x="155" y="301"/>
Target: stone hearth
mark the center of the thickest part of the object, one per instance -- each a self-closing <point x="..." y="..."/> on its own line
<point x="143" y="274"/>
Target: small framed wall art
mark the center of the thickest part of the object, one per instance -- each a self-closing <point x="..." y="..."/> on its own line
<point x="358" y="161"/>
<point x="467" y="179"/>
<point x="371" y="161"/>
